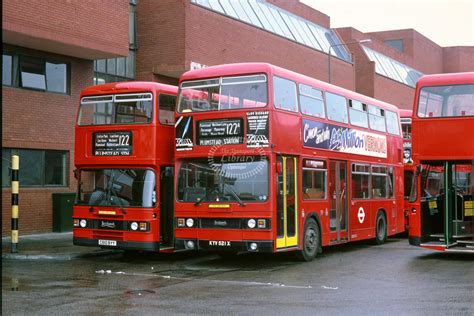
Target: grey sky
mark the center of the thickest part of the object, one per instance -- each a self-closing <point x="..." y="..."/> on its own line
<point x="446" y="22"/>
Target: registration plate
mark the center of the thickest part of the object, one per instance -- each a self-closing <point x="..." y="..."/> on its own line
<point x="107" y="242"/>
<point x="219" y="243"/>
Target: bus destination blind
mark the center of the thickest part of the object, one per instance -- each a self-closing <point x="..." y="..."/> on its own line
<point x="112" y="144"/>
<point x="220" y="132"/>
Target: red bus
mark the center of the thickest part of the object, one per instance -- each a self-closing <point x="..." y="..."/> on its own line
<point x="124" y="160"/>
<point x="443" y="151"/>
<point x="268" y="160"/>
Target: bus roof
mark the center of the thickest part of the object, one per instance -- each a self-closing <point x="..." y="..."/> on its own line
<point x="252" y="68"/>
<point x="126" y="86"/>
<point x="406" y="113"/>
<point x="446" y="79"/>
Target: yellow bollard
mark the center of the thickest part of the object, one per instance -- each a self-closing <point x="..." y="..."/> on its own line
<point x="15" y="190"/>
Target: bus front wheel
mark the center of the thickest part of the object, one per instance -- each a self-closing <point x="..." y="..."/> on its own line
<point x="310" y="241"/>
<point x="380" y="228"/>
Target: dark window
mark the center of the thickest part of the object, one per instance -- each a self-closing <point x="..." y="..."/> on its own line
<point x="7" y="67"/>
<point x="167" y="104"/>
<point x="32" y="73"/>
<point x="379" y="182"/>
<point x="397" y="44"/>
<point x="37" y="167"/>
<point x="115" y="69"/>
<point x="132" y="25"/>
<point x="314" y="184"/>
<point x="360" y="181"/>
<point x="35" y="73"/>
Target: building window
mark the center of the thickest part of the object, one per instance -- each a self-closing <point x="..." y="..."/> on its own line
<point x="115" y="69"/>
<point x="132" y="25"/>
<point x="38" y="168"/>
<point x="396" y="43"/>
<point x="7" y="68"/>
<point x="35" y="73"/>
<point x="121" y="68"/>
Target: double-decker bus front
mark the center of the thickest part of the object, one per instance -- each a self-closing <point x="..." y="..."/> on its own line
<point x="443" y="193"/>
<point x="123" y="156"/>
<point x="223" y="197"/>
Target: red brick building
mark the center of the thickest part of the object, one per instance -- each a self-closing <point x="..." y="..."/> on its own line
<point x="48" y="53"/>
<point x="53" y="49"/>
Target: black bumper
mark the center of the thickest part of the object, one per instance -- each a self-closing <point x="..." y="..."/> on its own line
<point x="121" y="245"/>
<point x="231" y="246"/>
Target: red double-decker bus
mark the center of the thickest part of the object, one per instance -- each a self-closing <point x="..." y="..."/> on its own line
<point x="443" y="152"/>
<point x="268" y="160"/>
<point x="124" y="160"/>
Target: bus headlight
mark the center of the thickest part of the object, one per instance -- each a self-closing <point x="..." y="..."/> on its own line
<point x="190" y="222"/>
<point x="83" y="223"/>
<point x="180" y="222"/>
<point x="134" y="225"/>
<point x="75" y="222"/>
<point x="262" y="223"/>
<point x="251" y="223"/>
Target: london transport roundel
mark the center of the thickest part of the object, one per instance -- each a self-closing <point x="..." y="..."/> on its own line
<point x="361" y="214"/>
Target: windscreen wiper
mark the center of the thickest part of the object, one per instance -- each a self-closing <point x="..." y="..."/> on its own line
<point x="239" y="200"/>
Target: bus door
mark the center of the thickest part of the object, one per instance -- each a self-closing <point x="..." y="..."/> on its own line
<point x="287" y="202"/>
<point x="166" y="206"/>
<point x="338" y="200"/>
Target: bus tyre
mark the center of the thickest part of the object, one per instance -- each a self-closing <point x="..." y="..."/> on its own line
<point x="310" y="241"/>
<point x="380" y="228"/>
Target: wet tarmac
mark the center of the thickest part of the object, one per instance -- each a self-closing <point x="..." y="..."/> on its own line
<point x="355" y="279"/>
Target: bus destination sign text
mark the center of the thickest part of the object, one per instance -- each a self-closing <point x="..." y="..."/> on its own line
<point x="220" y="132"/>
<point x="112" y="144"/>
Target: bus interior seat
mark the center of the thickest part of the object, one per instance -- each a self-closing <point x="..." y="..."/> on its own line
<point x="313" y="194"/>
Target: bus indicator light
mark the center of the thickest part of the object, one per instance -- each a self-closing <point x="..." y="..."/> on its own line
<point x="107" y="212"/>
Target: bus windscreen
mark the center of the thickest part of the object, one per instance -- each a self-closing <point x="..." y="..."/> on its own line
<point x="226" y="93"/>
<point x="134" y="108"/>
<point x="446" y="101"/>
<point x="241" y="180"/>
<point x="117" y="187"/>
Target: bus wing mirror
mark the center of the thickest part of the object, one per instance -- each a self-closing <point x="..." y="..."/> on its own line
<point x="76" y="174"/>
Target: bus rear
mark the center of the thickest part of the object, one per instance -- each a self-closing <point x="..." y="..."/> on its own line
<point x="443" y="151"/>
<point x="123" y="155"/>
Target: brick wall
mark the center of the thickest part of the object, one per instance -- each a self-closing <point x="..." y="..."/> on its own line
<point x="458" y="59"/>
<point x="161" y="37"/>
<point x="87" y="29"/>
<point x="41" y="120"/>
